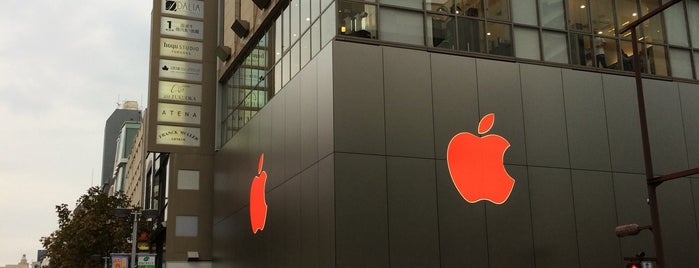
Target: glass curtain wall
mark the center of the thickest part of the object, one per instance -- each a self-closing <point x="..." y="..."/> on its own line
<point x="295" y="37"/>
<point x="576" y="32"/>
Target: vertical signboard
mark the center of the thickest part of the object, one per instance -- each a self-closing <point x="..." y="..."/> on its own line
<point x="120" y="261"/>
<point x="182" y="88"/>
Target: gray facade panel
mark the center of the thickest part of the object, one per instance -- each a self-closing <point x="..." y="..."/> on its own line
<point x="509" y="226"/>
<point x="689" y="99"/>
<point x="408" y="100"/>
<point x="309" y="114"/>
<point x="499" y="92"/>
<point x="665" y="128"/>
<point x="586" y="120"/>
<point x="263" y="119"/>
<point x="324" y="76"/>
<point x="630" y="193"/>
<point x="544" y="116"/>
<point x="292" y="131"/>
<point x="326" y="211"/>
<point x="679" y="241"/>
<point x="621" y="105"/>
<point x="358" y="98"/>
<point x="595" y="215"/>
<point x="310" y="223"/>
<point x="291" y="227"/>
<point x="454" y="99"/>
<point x="412" y="212"/>
<point x="277" y="153"/>
<point x="462" y="226"/>
<point x="553" y="218"/>
<point x="361" y="208"/>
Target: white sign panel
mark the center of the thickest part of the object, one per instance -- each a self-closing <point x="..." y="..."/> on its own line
<point x="172" y="135"/>
<point x="180" y="49"/>
<point x="179" y="91"/>
<point x="182" y="28"/>
<point x="187" y="8"/>
<point x="180" y="70"/>
<point x="177" y="113"/>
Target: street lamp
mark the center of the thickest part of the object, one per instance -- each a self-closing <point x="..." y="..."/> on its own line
<point x="136" y="212"/>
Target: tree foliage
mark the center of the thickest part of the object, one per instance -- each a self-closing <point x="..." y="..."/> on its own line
<point x="91" y="229"/>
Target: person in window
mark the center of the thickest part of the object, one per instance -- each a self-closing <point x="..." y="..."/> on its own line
<point x="599" y="52"/>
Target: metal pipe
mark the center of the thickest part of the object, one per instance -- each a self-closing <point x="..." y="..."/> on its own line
<point x="652" y="197"/>
<point x="133" y="237"/>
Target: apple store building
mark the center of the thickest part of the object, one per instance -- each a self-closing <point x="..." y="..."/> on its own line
<point x="454" y="133"/>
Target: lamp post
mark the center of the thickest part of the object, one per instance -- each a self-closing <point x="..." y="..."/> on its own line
<point x="136" y="212"/>
<point x="651" y="181"/>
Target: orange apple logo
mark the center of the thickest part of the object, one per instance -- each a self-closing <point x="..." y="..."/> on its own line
<point x="258" y="204"/>
<point x="476" y="164"/>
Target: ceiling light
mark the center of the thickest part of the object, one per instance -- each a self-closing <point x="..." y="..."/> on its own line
<point x="634" y="14"/>
<point x="582" y="6"/>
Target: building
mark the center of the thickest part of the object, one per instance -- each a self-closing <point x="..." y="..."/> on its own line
<point x="128" y="111"/>
<point x="134" y="169"/>
<point x="22" y="263"/>
<point x="126" y="143"/>
<point x="349" y="108"/>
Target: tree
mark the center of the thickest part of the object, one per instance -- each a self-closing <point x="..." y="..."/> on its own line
<point x="90" y="229"/>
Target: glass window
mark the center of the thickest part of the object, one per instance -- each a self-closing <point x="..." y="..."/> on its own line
<point x="315" y="9"/>
<point x="602" y="16"/>
<point x="295" y="59"/>
<point x="577" y="15"/>
<point x="401" y="26"/>
<point x="675" y="26"/>
<point x="604" y="51"/>
<point x="680" y="63"/>
<point x="552" y="14"/>
<point x="499" y="38"/>
<point x="693" y="8"/>
<point x="656" y="59"/>
<point x="554" y="47"/>
<point x="277" y="77"/>
<point x="581" y="49"/>
<point x="305" y="15"/>
<point x="285" y="30"/>
<point x="498" y="9"/>
<point x="315" y="38"/>
<point x="524" y="12"/>
<point x="357" y="19"/>
<point x="327" y="26"/>
<point x="626" y="62"/>
<point x="652" y="28"/>
<point x="696" y="65"/>
<point x="471" y="35"/>
<point x="305" y="48"/>
<point x="626" y="12"/>
<point x="404" y="3"/>
<point x="286" y="69"/>
<point x="441" y="31"/>
<point x="527" y="43"/>
<point x="294" y="33"/>
<point x="440" y="6"/>
<point x="278" y="40"/>
<point x="473" y="8"/>
<point x="325" y="3"/>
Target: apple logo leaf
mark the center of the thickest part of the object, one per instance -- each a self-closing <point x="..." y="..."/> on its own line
<point x="486" y="123"/>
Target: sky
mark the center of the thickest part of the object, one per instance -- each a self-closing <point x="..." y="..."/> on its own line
<point x="64" y="66"/>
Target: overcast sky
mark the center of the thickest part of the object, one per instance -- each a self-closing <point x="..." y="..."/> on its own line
<point x="64" y="65"/>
